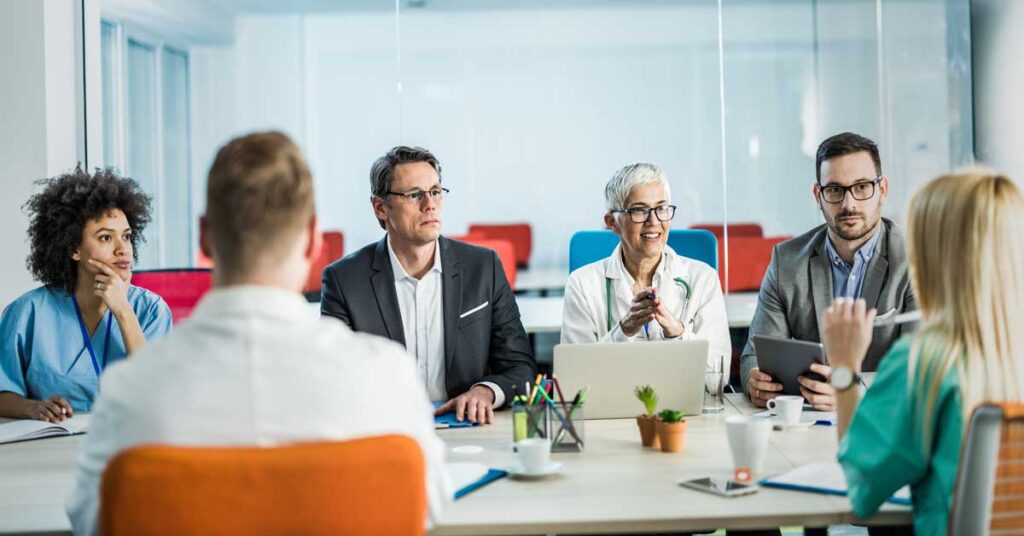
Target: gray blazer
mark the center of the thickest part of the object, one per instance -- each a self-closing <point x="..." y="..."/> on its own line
<point x="487" y="346"/>
<point x="797" y="288"/>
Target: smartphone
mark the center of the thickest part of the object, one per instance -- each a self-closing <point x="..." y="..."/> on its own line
<point x="719" y="486"/>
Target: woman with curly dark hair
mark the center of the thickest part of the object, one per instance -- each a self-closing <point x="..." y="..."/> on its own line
<point x="55" y="340"/>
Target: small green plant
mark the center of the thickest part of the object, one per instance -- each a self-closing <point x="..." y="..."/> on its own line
<point x="670" y="415"/>
<point x="648" y="397"/>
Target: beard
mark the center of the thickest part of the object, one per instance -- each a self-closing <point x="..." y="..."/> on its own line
<point x="852" y="233"/>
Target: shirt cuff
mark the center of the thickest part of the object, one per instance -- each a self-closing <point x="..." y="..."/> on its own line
<point x="499" y="395"/>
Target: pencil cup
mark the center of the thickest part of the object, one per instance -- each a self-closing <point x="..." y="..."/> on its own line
<point x="567" y="428"/>
<point x="529" y="422"/>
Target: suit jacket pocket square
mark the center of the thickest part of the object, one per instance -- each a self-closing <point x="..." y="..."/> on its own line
<point x="475" y="309"/>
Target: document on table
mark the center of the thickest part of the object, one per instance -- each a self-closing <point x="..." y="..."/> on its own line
<point x="25" y="430"/>
<point x="823" y="477"/>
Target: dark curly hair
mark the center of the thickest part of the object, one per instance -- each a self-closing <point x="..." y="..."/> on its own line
<point x="59" y="213"/>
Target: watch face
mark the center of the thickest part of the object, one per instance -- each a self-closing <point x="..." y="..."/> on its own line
<point x="842" y="377"/>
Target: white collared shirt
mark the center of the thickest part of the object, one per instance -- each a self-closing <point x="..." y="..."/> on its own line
<point x="585" y="315"/>
<point x="421" y="304"/>
<point x="253" y="366"/>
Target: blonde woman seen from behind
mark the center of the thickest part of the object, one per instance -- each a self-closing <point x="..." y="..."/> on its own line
<point x="965" y="257"/>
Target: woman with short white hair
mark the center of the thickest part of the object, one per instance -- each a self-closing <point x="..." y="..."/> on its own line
<point x="645" y="291"/>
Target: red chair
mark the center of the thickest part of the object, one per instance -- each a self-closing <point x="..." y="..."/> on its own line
<point x="519" y="234"/>
<point x="181" y="288"/>
<point x="735" y="230"/>
<point x="749" y="257"/>
<point x="504" y="249"/>
<point x="332" y="250"/>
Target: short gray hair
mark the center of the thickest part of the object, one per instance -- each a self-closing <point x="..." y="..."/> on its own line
<point x="629" y="177"/>
<point x="383" y="170"/>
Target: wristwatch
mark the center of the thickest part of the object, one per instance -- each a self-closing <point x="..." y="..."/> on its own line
<point x="843" y="378"/>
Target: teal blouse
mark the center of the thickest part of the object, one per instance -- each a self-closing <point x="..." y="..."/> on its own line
<point x="883" y="450"/>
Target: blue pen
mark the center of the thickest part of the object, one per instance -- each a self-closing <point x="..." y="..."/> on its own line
<point x="647" y="331"/>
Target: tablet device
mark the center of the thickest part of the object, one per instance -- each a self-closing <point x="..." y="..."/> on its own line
<point x="785" y="359"/>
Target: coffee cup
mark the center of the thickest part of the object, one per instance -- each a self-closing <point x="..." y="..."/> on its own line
<point x="748" y="441"/>
<point x="534" y="454"/>
<point x="787" y="408"/>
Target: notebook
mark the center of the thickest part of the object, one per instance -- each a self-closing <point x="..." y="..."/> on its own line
<point x="823" y="477"/>
<point x="468" y="477"/>
<point x="448" y="420"/>
<point x="26" y="430"/>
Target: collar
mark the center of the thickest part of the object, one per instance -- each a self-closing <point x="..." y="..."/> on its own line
<point x="863" y="254"/>
<point x="399" y="271"/>
<point x="238" y="301"/>
<point x="616" y="269"/>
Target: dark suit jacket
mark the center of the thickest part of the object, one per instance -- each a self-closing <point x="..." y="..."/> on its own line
<point x="487" y="345"/>
<point x="797" y="288"/>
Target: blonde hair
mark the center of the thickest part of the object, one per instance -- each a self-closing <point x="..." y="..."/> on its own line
<point x="259" y="199"/>
<point x="966" y="251"/>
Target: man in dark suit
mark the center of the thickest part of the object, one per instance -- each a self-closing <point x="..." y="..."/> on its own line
<point x="855" y="254"/>
<point x="448" y="302"/>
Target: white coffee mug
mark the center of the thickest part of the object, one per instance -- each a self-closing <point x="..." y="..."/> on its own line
<point x="534" y="454"/>
<point x="748" y="441"/>
<point x="787" y="408"/>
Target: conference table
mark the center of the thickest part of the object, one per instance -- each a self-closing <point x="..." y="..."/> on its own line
<point x="615" y="486"/>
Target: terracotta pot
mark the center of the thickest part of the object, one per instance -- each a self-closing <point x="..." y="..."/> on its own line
<point x="671" y="435"/>
<point x="648" y="430"/>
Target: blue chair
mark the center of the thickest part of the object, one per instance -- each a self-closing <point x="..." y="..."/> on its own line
<point x="586" y="247"/>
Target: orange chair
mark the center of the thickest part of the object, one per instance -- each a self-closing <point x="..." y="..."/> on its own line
<point x="181" y="288"/>
<point x="749" y="258"/>
<point x="364" y="486"/>
<point x="519" y="234"/>
<point x="735" y="229"/>
<point x="504" y="249"/>
<point x="332" y="250"/>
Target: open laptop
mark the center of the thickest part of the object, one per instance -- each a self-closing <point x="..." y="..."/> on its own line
<point x="674" y="368"/>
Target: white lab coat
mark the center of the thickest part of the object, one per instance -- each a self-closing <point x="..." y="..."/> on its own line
<point x="254" y="366"/>
<point x="585" y="316"/>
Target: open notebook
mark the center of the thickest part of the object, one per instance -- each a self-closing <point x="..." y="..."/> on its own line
<point x="30" y="429"/>
<point x="823" y="477"/>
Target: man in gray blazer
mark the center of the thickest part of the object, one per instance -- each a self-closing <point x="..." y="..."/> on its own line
<point x="855" y="254"/>
<point x="448" y="302"/>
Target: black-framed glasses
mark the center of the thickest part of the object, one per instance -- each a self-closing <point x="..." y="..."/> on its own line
<point x="862" y="191"/>
<point x="418" y="195"/>
<point x="642" y="214"/>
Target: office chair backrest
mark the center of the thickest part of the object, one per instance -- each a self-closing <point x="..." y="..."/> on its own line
<point x="181" y="288"/>
<point x="990" y="480"/>
<point x="333" y="248"/>
<point x="586" y="247"/>
<point x="519" y="234"/>
<point x="363" y="486"/>
<point x="505" y="250"/>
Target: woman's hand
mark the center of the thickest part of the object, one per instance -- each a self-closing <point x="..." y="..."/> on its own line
<point x="847" y="332"/>
<point x="111" y="288"/>
<point x="671" y="326"/>
<point x="54" y="409"/>
<point x="641" y="311"/>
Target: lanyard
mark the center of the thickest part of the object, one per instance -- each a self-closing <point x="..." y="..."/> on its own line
<point x="88" y="342"/>
<point x="687" y="291"/>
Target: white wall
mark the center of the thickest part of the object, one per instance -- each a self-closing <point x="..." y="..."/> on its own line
<point x="998" y="35"/>
<point x="38" y="134"/>
<point x="532" y="110"/>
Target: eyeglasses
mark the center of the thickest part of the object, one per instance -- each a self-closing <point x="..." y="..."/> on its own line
<point x="862" y="191"/>
<point x="417" y="195"/>
<point x="642" y="214"/>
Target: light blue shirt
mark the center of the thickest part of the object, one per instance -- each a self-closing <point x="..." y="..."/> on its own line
<point x="848" y="281"/>
<point x="42" y="353"/>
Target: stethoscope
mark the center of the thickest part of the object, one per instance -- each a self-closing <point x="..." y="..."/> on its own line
<point x="687" y="294"/>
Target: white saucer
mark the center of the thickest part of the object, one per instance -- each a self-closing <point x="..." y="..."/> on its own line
<point x="517" y="470"/>
<point x="802" y="425"/>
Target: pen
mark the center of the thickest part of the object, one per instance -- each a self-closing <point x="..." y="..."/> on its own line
<point x="912" y="316"/>
<point x="566" y="424"/>
<point x="647" y="332"/>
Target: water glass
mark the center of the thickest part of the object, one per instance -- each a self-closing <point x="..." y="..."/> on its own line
<point x="713" y="387"/>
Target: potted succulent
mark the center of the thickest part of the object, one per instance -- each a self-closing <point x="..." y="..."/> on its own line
<point x="671" y="430"/>
<point x="646" y="422"/>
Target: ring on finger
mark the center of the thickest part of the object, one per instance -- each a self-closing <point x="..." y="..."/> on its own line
<point x="99" y="285"/>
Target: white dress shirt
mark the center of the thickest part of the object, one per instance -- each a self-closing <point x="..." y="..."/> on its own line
<point x="421" y="305"/>
<point x="585" y="316"/>
<point x="252" y="366"/>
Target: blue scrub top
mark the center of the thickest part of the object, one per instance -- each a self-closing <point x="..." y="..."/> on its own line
<point x="42" y="353"/>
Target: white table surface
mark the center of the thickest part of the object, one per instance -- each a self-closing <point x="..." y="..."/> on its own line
<point x="541" y="279"/>
<point x="544" y="314"/>
<point x="615" y="486"/>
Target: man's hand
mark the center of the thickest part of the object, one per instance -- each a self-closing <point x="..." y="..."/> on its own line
<point x="54" y="409"/>
<point x="477" y="405"/>
<point x="761" y="388"/>
<point x="821" y="395"/>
